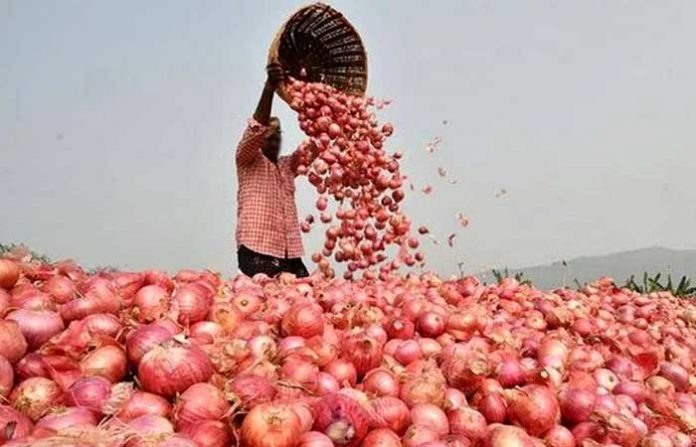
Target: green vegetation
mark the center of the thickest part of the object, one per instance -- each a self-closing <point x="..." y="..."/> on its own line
<point x="653" y="284"/>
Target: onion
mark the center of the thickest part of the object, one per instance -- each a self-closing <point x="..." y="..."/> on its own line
<point x="511" y="374"/>
<point x="34" y="300"/>
<point x="60" y="288"/>
<point x="91" y="393"/>
<point x="252" y="390"/>
<point x="271" y="425"/>
<point x="676" y="374"/>
<point x="143" y="339"/>
<point x="6" y="377"/>
<point x="192" y="303"/>
<point x="13" y="424"/>
<point x="381" y="382"/>
<point x="177" y="440"/>
<point x="63" y="418"/>
<point x="148" y="429"/>
<point x="431" y="416"/>
<point x="468" y="422"/>
<point x="141" y="403"/>
<point x="150" y="303"/>
<point x="605" y="378"/>
<point x="408" y="352"/>
<point x="454" y="399"/>
<point x="32" y="365"/>
<point x="391" y="413"/>
<point x="381" y="437"/>
<point x="262" y="346"/>
<point x="423" y="383"/>
<point x="343" y="370"/>
<point x="170" y="368"/>
<point x="9" y="273"/>
<point x="417" y="435"/>
<point x="206" y="332"/>
<point x="300" y="372"/>
<point x="200" y="402"/>
<point x="35" y="396"/>
<point x="315" y="439"/>
<point x="209" y="433"/>
<point x="363" y="351"/>
<point x="559" y="436"/>
<point x="431" y="324"/>
<point x="103" y="324"/>
<point x="576" y="405"/>
<point x="326" y="384"/>
<point x="341" y="418"/>
<point x="4" y="302"/>
<point x="533" y="407"/>
<point x="304" y="320"/>
<point x="507" y="436"/>
<point x="90" y="304"/>
<point x="493" y="408"/>
<point x="109" y="362"/>
<point x="400" y="327"/>
<point x="634" y="390"/>
<point x="37" y="326"/>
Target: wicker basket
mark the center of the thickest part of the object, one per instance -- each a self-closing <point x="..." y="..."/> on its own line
<point x="318" y="39"/>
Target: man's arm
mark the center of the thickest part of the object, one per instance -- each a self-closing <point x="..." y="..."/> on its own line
<point x="252" y="141"/>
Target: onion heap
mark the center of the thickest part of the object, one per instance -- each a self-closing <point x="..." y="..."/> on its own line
<point x="416" y="360"/>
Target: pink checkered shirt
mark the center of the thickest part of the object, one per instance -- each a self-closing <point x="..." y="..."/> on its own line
<point x="266" y="215"/>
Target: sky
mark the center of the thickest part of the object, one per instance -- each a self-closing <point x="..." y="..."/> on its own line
<point x="119" y="120"/>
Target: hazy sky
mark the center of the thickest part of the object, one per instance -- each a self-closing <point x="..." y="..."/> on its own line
<point x="118" y="123"/>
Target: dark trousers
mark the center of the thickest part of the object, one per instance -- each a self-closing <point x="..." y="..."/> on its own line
<point x="251" y="263"/>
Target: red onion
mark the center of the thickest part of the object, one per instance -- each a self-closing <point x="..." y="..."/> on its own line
<point x="9" y="273"/>
<point x="493" y="408"/>
<point x="381" y="437"/>
<point x="271" y="424"/>
<point x="147" y="429"/>
<point x="510" y="373"/>
<point x="315" y="439"/>
<point x="35" y="396"/>
<point x="391" y="413"/>
<point x="417" y="435"/>
<point x="13" y="424"/>
<point x="506" y="436"/>
<point x="143" y="339"/>
<point x="6" y="377"/>
<point x="150" y="303"/>
<point x="341" y="418"/>
<point x="206" y="332"/>
<point x="103" y="324"/>
<point x="454" y="399"/>
<point x="430" y="324"/>
<point x="34" y="300"/>
<point x="363" y="351"/>
<point x="381" y="382"/>
<point x="59" y="419"/>
<point x="141" y="403"/>
<point x="325" y="350"/>
<point x="400" y="327"/>
<point x="300" y="372"/>
<point x="576" y="405"/>
<point x="170" y="368"/>
<point x="60" y="288"/>
<point x="423" y="383"/>
<point x="32" y="365"/>
<point x="634" y="390"/>
<point x="109" y="362"/>
<point x="252" y="390"/>
<point x="304" y="320"/>
<point x="192" y="302"/>
<point x="177" y="440"/>
<point x="263" y="346"/>
<point x="533" y="407"/>
<point x="676" y="374"/>
<point x="326" y="384"/>
<point x="37" y="326"/>
<point x="343" y="370"/>
<point x="90" y="304"/>
<point x="559" y="436"/>
<point x="408" y="352"/>
<point x="159" y="278"/>
<point x="91" y="393"/>
<point x="200" y="402"/>
<point x="247" y="303"/>
<point x="606" y="378"/>
<point x="431" y="416"/>
<point x="209" y="433"/>
<point x="4" y="302"/>
<point x="468" y="422"/>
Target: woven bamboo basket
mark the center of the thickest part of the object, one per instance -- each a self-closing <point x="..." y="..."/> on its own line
<point x="320" y="40"/>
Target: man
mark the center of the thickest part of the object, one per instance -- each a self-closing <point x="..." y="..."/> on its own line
<point x="268" y="231"/>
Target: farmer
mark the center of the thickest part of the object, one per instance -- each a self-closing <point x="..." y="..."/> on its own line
<point x="268" y="231"/>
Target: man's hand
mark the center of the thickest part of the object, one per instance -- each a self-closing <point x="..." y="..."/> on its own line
<point x="276" y="75"/>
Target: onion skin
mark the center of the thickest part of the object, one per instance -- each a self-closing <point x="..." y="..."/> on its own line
<point x="61" y="419"/>
<point x="468" y="422"/>
<point x="35" y="396"/>
<point x="9" y="273"/>
<point x="91" y="393"/>
<point x="271" y="425"/>
<point x="493" y="408"/>
<point x="252" y="390"/>
<point x="304" y="320"/>
<point x="507" y="436"/>
<point x="381" y="437"/>
<point x="381" y="382"/>
<point x="109" y="362"/>
<point x="169" y="369"/>
<point x="143" y="339"/>
<point x="576" y="405"/>
<point x="150" y="303"/>
<point x="192" y="303"/>
<point x="431" y="416"/>
<point x="315" y="439"/>
<point x="391" y="413"/>
<point x="533" y="407"/>
<point x="559" y="436"/>
<point x="209" y="433"/>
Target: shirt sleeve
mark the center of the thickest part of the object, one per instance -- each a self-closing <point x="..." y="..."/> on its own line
<point x="251" y="143"/>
